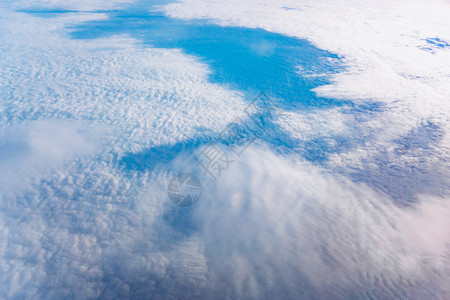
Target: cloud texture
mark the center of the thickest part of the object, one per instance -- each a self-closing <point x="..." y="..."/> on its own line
<point x="369" y="220"/>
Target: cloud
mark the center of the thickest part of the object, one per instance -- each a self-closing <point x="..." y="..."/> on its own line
<point x="70" y="109"/>
<point x="30" y="148"/>
<point x="83" y="5"/>
<point x="279" y="226"/>
<point x="83" y="225"/>
<point x="389" y="70"/>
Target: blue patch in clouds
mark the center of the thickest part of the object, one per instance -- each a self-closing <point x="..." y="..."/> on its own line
<point x="246" y="59"/>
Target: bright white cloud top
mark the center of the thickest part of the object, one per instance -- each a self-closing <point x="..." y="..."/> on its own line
<point x="345" y="196"/>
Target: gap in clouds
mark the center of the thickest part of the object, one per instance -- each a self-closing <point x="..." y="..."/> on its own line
<point x="243" y="58"/>
<point x="366" y="34"/>
<point x="246" y="59"/>
<point x="255" y="60"/>
<point x="273" y="230"/>
<point x="249" y="60"/>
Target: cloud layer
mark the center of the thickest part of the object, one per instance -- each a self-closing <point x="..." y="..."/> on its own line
<point x="78" y="220"/>
<point x="393" y="72"/>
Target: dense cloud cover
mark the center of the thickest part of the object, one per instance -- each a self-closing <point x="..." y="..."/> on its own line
<point x="337" y="201"/>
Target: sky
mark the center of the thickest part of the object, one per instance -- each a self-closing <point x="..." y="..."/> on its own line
<point x="343" y="195"/>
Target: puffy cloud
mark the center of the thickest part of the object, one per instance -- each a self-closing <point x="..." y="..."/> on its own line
<point x="277" y="226"/>
<point x="32" y="148"/>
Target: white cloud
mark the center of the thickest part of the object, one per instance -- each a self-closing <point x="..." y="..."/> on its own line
<point x="388" y="62"/>
<point x="70" y="110"/>
<point x="155" y="96"/>
<point x="279" y="226"/>
<point x="29" y="150"/>
<point x="273" y="227"/>
<point x="78" y="5"/>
